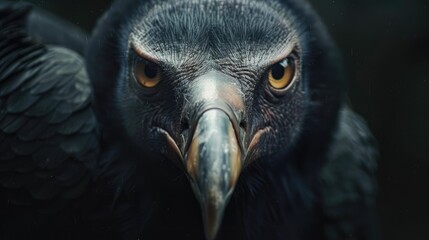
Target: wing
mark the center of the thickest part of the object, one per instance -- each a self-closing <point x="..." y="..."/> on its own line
<point x="349" y="181"/>
<point x="48" y="130"/>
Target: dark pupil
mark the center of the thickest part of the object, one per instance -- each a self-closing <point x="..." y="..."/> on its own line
<point x="150" y="71"/>
<point x="277" y="71"/>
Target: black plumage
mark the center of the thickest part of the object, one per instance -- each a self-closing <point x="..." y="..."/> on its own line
<point x="99" y="156"/>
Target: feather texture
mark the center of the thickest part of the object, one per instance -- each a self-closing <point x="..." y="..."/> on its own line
<point x="349" y="181"/>
<point x="47" y="126"/>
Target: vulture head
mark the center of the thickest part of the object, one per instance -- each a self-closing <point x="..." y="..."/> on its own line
<point x="222" y="89"/>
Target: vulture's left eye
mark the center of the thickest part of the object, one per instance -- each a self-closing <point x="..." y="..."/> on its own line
<point x="147" y="73"/>
<point x="282" y="74"/>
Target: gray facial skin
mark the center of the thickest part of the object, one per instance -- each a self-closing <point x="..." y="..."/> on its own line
<point x="214" y="112"/>
<point x="214" y="80"/>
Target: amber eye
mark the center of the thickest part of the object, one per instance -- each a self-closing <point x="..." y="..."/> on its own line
<point x="147" y="73"/>
<point x="281" y="74"/>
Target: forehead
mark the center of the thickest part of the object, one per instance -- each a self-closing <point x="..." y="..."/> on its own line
<point x="203" y="29"/>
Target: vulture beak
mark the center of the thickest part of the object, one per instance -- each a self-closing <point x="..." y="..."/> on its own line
<point x="214" y="150"/>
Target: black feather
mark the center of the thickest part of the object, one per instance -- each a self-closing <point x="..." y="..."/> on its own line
<point x="20" y="101"/>
<point x="42" y="108"/>
<point x="32" y="130"/>
<point x="14" y="125"/>
<point x="45" y="100"/>
<point x="76" y="122"/>
<point x="23" y="148"/>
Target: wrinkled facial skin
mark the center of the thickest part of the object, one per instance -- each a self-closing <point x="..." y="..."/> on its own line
<point x="189" y="40"/>
<point x="213" y="111"/>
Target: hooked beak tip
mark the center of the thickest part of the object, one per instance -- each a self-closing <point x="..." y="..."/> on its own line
<point x="214" y="162"/>
<point x="212" y="215"/>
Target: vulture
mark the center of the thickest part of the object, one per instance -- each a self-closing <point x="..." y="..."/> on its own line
<point x="192" y="119"/>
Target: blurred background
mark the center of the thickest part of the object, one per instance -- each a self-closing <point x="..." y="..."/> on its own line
<point x="385" y="46"/>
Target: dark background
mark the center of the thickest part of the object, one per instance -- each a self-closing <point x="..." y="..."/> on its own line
<point x="385" y="48"/>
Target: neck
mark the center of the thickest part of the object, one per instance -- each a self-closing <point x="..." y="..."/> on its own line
<point x="155" y="199"/>
<point x="273" y="203"/>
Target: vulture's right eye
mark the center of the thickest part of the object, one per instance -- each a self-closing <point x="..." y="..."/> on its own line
<point x="147" y="73"/>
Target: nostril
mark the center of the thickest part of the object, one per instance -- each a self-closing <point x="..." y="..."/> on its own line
<point x="243" y="125"/>
<point x="184" y="124"/>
